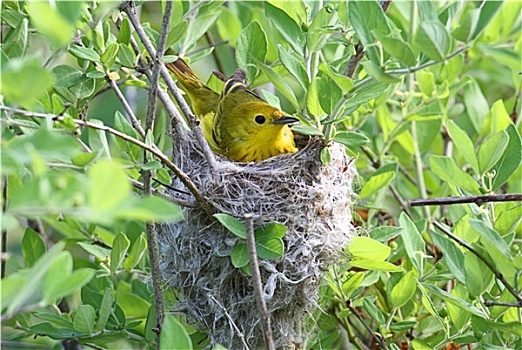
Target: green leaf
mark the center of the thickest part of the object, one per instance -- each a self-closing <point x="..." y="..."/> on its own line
<point x="351" y="139"/>
<point x="199" y="27"/>
<point x="381" y="178"/>
<point x="84" y="53"/>
<point x="138" y="250"/>
<point x="109" y="185"/>
<point x="33" y="247"/>
<point x="319" y="30"/>
<point x="84" y="319"/>
<point x="448" y="170"/>
<point x="149" y="208"/>
<point x="83" y="159"/>
<point x="269" y="247"/>
<point x="403" y="325"/>
<point x="426" y="81"/>
<point x="307" y="130"/>
<point x="454" y="301"/>
<point x="397" y="47"/>
<point x="476" y="104"/>
<point x="488" y="10"/>
<point x="106" y="309"/>
<point x="24" y="81"/>
<point x="109" y="56"/>
<point x="58" y="320"/>
<point x="328" y="94"/>
<point x="373" y="311"/>
<point x="66" y="75"/>
<point x="367" y="248"/>
<point x="325" y="156"/>
<point x="287" y="27"/>
<point x="50" y="23"/>
<point x="173" y="335"/>
<point x="312" y="101"/>
<point x="365" y="17"/>
<point x="375" y="265"/>
<point x="95" y="250"/>
<point x="478" y="275"/>
<point x="467" y="25"/>
<point x="492" y="236"/>
<point x="353" y="282"/>
<point x="491" y="151"/>
<point x="293" y="66"/>
<point x="404" y="290"/>
<point x="413" y="242"/>
<point x="458" y="316"/>
<point x="126" y="56"/>
<point x="124" y="34"/>
<point x="84" y="89"/>
<point x="232" y="224"/>
<point x="433" y="39"/>
<point x="272" y="230"/>
<point x="71" y="283"/>
<point x="510" y="161"/>
<point x="384" y="233"/>
<point x="120" y="245"/>
<point x="378" y="73"/>
<point x="464" y="144"/>
<point x="239" y="255"/>
<point x="251" y="47"/>
<point x="52" y="332"/>
<point x="508" y="220"/>
<point x="453" y="256"/>
<point x="279" y="83"/>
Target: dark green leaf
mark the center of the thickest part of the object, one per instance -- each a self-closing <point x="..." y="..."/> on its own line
<point x="293" y="66"/>
<point x="384" y="233"/>
<point x="84" y="53"/>
<point x="66" y="75"/>
<point x="454" y="301"/>
<point x="106" y="309"/>
<point x="84" y="319"/>
<point x="328" y="94"/>
<point x="510" y="161"/>
<point x="53" y="332"/>
<point x="124" y="34"/>
<point x="377" y="73"/>
<point x="270" y="247"/>
<point x="373" y="311"/>
<point x="232" y="224"/>
<point x="273" y="230"/>
<point x="432" y="39"/>
<point x="453" y="256"/>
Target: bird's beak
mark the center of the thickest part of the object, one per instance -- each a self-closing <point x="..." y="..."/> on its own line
<point x="285" y="120"/>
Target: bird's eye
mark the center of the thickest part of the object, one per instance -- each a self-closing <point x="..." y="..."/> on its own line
<point x="260" y="119"/>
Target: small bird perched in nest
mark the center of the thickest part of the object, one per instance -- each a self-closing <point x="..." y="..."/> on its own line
<point x="237" y="123"/>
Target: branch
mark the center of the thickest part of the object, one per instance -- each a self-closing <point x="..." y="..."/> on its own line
<point x="193" y="121"/>
<point x="152" y="149"/>
<point x="4" y="232"/>
<point x="468" y="246"/>
<point x="164" y="195"/>
<point x="501" y="303"/>
<point x="375" y="336"/>
<point x="236" y="329"/>
<point x="258" y="285"/>
<point x="510" y="197"/>
<point x="147" y="175"/>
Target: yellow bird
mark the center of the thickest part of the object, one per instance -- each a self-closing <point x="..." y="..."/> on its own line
<point x="237" y="124"/>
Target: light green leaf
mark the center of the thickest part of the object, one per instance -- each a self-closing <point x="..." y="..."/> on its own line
<point x="270" y="247"/>
<point x="120" y="245"/>
<point x="286" y="26"/>
<point x="294" y="66"/>
<point x="453" y="256"/>
<point x="491" y="151"/>
<point x="109" y="185"/>
<point x="138" y="250"/>
<point x="353" y="282"/>
<point x="312" y="99"/>
<point x="404" y="290"/>
<point x="84" y="53"/>
<point x="508" y="220"/>
<point x="448" y="170"/>
<point x="351" y="139"/>
<point x="492" y="236"/>
<point x="239" y="255"/>
<point x="373" y="311"/>
<point x="454" y="301"/>
<point x="325" y="156"/>
<point x="279" y="83"/>
<point x="106" y="309"/>
<point x="33" y="247"/>
<point x="232" y="224"/>
<point x="251" y="48"/>
<point x="66" y="75"/>
<point x="397" y="47"/>
<point x="509" y="163"/>
<point x="463" y="144"/>
<point x="50" y="23"/>
<point x="413" y="242"/>
<point x="367" y="248"/>
<point x="174" y="336"/>
<point x="378" y="73"/>
<point x="381" y="178"/>
<point x="328" y="94"/>
<point x="478" y="275"/>
<point x="272" y="230"/>
<point x="375" y="265"/>
<point x="84" y="319"/>
<point x="433" y="39"/>
<point x="306" y="130"/>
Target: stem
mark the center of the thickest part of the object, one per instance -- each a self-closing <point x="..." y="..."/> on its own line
<point x="510" y="197"/>
<point x="236" y="329"/>
<point x="3" y="257"/>
<point x="258" y="284"/>
<point x="418" y="167"/>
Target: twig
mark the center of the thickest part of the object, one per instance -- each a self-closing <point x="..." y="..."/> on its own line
<point x="377" y="338"/>
<point x="147" y="175"/>
<point x="4" y="231"/>
<point x="501" y="303"/>
<point x="154" y="150"/>
<point x="193" y="121"/>
<point x="359" y="49"/>
<point x="258" y="285"/>
<point x="236" y="329"/>
<point x="468" y="246"/>
<point x="94" y="346"/>
<point x="164" y="195"/>
<point x="134" y="120"/>
<point x="510" y="197"/>
<point x="401" y="200"/>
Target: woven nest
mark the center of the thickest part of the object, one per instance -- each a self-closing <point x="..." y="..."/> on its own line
<point x="313" y="200"/>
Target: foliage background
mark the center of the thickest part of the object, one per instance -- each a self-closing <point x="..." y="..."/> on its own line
<point x="432" y="110"/>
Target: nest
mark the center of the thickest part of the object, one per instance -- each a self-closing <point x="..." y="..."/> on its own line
<point x="312" y="199"/>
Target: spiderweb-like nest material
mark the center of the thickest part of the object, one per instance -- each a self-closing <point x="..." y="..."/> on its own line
<point x="313" y="200"/>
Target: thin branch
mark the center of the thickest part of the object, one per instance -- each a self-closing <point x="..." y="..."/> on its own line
<point x="510" y="197"/>
<point x="375" y="336"/>
<point x="401" y="200"/>
<point x="468" y="246"/>
<point x="4" y="232"/>
<point x="236" y="329"/>
<point x="193" y="121"/>
<point x="147" y="176"/>
<point x="134" y="120"/>
<point x="152" y="149"/>
<point x="501" y="303"/>
<point x="258" y="284"/>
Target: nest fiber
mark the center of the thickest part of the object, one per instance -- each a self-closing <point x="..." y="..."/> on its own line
<point x="312" y="199"/>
